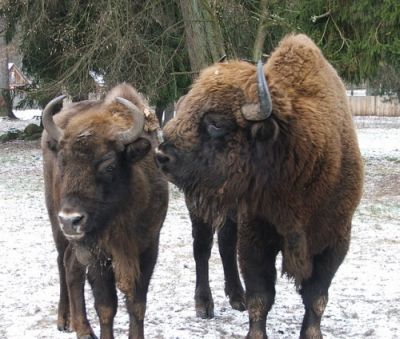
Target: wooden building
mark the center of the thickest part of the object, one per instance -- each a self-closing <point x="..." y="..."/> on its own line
<point x="16" y="78"/>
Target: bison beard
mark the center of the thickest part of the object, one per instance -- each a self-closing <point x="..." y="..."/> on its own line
<point x="293" y="175"/>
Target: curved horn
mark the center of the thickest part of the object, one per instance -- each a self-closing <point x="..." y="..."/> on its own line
<point x="263" y="92"/>
<point x="261" y="111"/>
<point x="47" y="119"/>
<point x="136" y="130"/>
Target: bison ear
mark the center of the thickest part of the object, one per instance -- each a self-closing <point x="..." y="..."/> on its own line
<point x="264" y="130"/>
<point x="137" y="149"/>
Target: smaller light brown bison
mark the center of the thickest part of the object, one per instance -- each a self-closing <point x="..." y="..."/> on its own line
<point x="277" y="144"/>
<point x="107" y="203"/>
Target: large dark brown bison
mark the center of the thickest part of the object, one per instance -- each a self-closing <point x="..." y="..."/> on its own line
<point x="106" y="202"/>
<point x="277" y="144"/>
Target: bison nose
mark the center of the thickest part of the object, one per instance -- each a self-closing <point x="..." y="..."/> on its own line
<point x="162" y="158"/>
<point x="72" y="222"/>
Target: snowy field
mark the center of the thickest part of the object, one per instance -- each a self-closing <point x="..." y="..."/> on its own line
<point x="364" y="297"/>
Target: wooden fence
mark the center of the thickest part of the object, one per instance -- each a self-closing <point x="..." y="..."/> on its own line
<point x="374" y="105"/>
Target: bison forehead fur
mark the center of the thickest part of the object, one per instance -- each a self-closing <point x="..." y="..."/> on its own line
<point x="300" y="169"/>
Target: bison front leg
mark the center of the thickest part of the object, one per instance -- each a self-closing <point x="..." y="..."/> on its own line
<point x="63" y="320"/>
<point x="258" y="246"/>
<point x="101" y="278"/>
<point x="136" y="303"/>
<point x="202" y="244"/>
<point x="75" y="277"/>
<point x="227" y="240"/>
<point x="314" y="291"/>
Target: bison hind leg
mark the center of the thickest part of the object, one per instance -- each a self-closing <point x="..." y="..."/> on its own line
<point x="202" y="243"/>
<point x="227" y="244"/>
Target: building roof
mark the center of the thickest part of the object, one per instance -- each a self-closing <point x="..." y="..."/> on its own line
<point x="22" y="79"/>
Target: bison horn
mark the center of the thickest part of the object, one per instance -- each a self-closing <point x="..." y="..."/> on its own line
<point x="48" y="122"/>
<point x="136" y="130"/>
<point x="261" y="111"/>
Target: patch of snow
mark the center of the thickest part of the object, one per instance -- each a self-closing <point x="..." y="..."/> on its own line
<point x="28" y="114"/>
<point x="364" y="296"/>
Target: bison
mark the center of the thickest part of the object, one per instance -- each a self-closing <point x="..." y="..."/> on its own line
<point x="277" y="143"/>
<point x="107" y="202"/>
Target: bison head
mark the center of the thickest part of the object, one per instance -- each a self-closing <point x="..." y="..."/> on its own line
<point x="211" y="145"/>
<point x="93" y="147"/>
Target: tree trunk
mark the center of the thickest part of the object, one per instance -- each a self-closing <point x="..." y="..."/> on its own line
<point x="203" y="34"/>
<point x="261" y="31"/>
<point x="169" y="113"/>
<point x="5" y="94"/>
<point x="159" y="113"/>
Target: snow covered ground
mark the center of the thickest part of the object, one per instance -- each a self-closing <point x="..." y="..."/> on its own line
<point x="364" y="297"/>
<point x="25" y="117"/>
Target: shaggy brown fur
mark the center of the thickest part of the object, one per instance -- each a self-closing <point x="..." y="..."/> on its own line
<point x="122" y="199"/>
<point x="295" y="178"/>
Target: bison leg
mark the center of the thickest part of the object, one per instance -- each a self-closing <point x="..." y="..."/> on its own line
<point x="258" y="247"/>
<point x="202" y="244"/>
<point x="101" y="278"/>
<point x="314" y="291"/>
<point x="136" y="303"/>
<point x="227" y="239"/>
<point x="75" y="277"/>
<point x="63" y="320"/>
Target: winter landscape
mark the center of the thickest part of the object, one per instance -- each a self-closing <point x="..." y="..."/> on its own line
<point x="364" y="297"/>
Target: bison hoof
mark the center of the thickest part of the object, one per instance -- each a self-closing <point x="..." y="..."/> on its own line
<point x="205" y="309"/>
<point x="238" y="305"/>
<point x="312" y="332"/>
<point x="236" y="299"/>
<point x="256" y="335"/>
<point x="87" y="336"/>
<point x="204" y="303"/>
<point x="63" y="326"/>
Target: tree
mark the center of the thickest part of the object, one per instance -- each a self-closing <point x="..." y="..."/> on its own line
<point x="141" y="42"/>
<point x="357" y="37"/>
<point x="261" y="31"/>
<point x="159" y="45"/>
<point x="64" y="42"/>
<point x="5" y="95"/>
<point x="204" y="40"/>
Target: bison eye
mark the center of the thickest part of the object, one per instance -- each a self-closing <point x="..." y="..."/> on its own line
<point x="218" y="125"/>
<point x="110" y="168"/>
<point x="215" y="131"/>
<point x="106" y="168"/>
